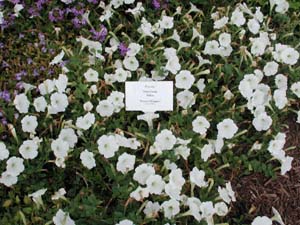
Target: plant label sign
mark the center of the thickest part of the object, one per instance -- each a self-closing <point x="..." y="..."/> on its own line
<point x="149" y="96"/>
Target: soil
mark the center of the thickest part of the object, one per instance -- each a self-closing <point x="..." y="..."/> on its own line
<point x="257" y="194"/>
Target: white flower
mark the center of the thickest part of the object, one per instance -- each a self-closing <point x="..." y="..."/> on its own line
<point x="91" y="75"/>
<point x="105" y="108"/>
<point x="207" y="209"/>
<point x="194" y="205"/>
<point x="197" y="177"/>
<point x="125" y="163"/>
<point x="125" y="222"/>
<point x="221" y="209"/>
<point x="280" y="98"/>
<point x="173" y="191"/>
<point x="107" y="146"/>
<point x="176" y="178"/>
<point x="212" y="48"/>
<point x="87" y="159"/>
<point x="207" y="151"/>
<point x="46" y="87"/>
<point x="170" y="208"/>
<point x="281" y="82"/>
<point x="282" y="6"/>
<point x="60" y="148"/>
<point x="37" y="196"/>
<point x="228" y="95"/>
<point x="59" y="194"/>
<point x="258" y="47"/>
<point x="4" y="153"/>
<point x="151" y="209"/>
<point x="134" y="49"/>
<point x="227" y="129"/>
<point x="201" y="85"/>
<point x="29" y="149"/>
<point x="62" y="218"/>
<point x="131" y="63"/>
<point x="88" y="106"/>
<point x="59" y="102"/>
<point x="286" y="164"/>
<point x="40" y="104"/>
<point x="58" y="58"/>
<point x="142" y="172"/>
<point x="200" y="125"/>
<point x="8" y="179"/>
<point x="121" y="75"/>
<point x="262" y="220"/>
<point x="21" y="103"/>
<point x="271" y="68"/>
<point x="237" y="18"/>
<point x="145" y="28"/>
<point x="17" y="9"/>
<point x="185" y="99"/>
<point x="289" y="56"/>
<point x="166" y="22"/>
<point x="117" y="99"/>
<point x="68" y="135"/>
<point x="173" y="65"/>
<point x="227" y="194"/>
<point x="61" y="83"/>
<point x="218" y="24"/>
<point x="262" y="122"/>
<point x="15" y="166"/>
<point x="295" y="88"/>
<point x="225" y="39"/>
<point x="165" y="140"/>
<point x="29" y="124"/>
<point x="155" y="184"/>
<point x="253" y="26"/>
<point x="139" y="194"/>
<point x="86" y="121"/>
<point x="184" y="79"/>
<point x="183" y="151"/>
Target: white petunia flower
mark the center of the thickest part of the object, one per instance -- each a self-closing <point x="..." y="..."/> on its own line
<point x="142" y="172"/>
<point x="68" y="135"/>
<point x="107" y="146"/>
<point x="62" y="218"/>
<point x="185" y="99"/>
<point x="61" y="83"/>
<point x="60" y="194"/>
<point x="29" y="124"/>
<point x="37" y="196"/>
<point x="281" y="82"/>
<point x="197" y="177"/>
<point x="87" y="159"/>
<point x="21" y="103"/>
<point x="59" y="102"/>
<point x="46" y="87"/>
<point x="91" y="75"/>
<point x="40" y="104"/>
<point x="8" y="179"/>
<point x="280" y="98"/>
<point x="15" y="166"/>
<point x="225" y="39"/>
<point x="139" y="194"/>
<point x="151" y="209"/>
<point x="155" y="184"/>
<point x="125" y="163"/>
<point x="253" y="26"/>
<point x="227" y="129"/>
<point x="221" y="209"/>
<point x="166" y="22"/>
<point x="86" y="121"/>
<point x="289" y="56"/>
<point x="271" y="68"/>
<point x="201" y="85"/>
<point x="170" y="208"/>
<point x="184" y="79"/>
<point x="4" y="153"/>
<point x="262" y="122"/>
<point x="131" y="63"/>
<point x="29" y="149"/>
<point x="295" y="88"/>
<point x="126" y="221"/>
<point x="165" y="140"/>
<point x="134" y="49"/>
<point x="200" y="125"/>
<point x="237" y="18"/>
<point x="207" y="151"/>
<point x="227" y="194"/>
<point x="105" y="108"/>
<point x="262" y="220"/>
<point x="60" y="148"/>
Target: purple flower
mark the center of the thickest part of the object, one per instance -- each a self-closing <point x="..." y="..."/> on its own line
<point x="93" y="1"/>
<point x="19" y="85"/>
<point x="123" y="49"/>
<point x="156" y="4"/>
<point x="4" y="122"/>
<point x="19" y="75"/>
<point x="5" y="95"/>
<point x="35" y="72"/>
<point x="99" y="35"/>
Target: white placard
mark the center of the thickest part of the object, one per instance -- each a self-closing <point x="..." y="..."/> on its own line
<point x="149" y="96"/>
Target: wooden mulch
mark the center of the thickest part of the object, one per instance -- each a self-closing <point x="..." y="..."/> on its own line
<point x="256" y="194"/>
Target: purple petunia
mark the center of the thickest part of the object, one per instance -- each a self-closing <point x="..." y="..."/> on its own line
<point x="123" y="48"/>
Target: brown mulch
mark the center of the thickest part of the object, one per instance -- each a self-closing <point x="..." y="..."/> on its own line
<point x="256" y="194"/>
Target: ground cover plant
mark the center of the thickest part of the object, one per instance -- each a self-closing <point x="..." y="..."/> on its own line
<point x="70" y="153"/>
